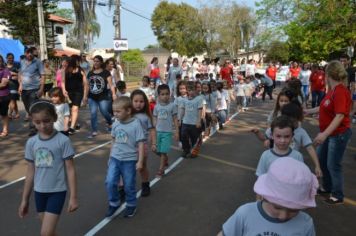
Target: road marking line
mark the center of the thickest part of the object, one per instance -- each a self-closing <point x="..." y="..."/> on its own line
<point x="346" y="200"/>
<point x="76" y="156"/>
<point x="107" y="220"/>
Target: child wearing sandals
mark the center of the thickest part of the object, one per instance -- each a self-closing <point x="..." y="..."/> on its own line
<point x="287" y="188"/>
<point x="164" y="116"/>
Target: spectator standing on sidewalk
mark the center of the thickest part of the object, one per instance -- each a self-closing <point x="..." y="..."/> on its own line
<point x="335" y="132"/>
<point x="173" y="71"/>
<point x="317" y="85"/>
<point x="14" y="68"/>
<point x="4" y="96"/>
<point x="31" y="81"/>
<point x="351" y="73"/>
<point x="304" y="77"/>
<point x="271" y="72"/>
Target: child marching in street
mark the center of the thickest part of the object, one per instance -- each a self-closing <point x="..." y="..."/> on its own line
<point x="127" y="156"/>
<point x="192" y="114"/>
<point x="141" y="111"/>
<point x="164" y="116"/>
<point x="50" y="168"/>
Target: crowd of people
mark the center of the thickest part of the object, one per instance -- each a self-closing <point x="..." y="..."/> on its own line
<point x="185" y="102"/>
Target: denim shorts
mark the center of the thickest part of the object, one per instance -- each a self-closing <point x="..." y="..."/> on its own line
<point x="164" y="142"/>
<point x="50" y="202"/>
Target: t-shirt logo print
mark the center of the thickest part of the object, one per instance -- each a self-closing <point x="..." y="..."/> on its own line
<point x="121" y="136"/>
<point x="163" y="115"/>
<point x="190" y="107"/>
<point x="96" y="84"/>
<point x="43" y="158"/>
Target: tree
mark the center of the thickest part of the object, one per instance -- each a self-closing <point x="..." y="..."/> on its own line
<point x="278" y="51"/>
<point x="178" y="28"/>
<point x="86" y="26"/>
<point x="22" y="20"/>
<point x="133" y="56"/>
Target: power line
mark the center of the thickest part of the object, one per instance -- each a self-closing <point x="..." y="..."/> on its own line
<point x="135" y="13"/>
<point x="136" y="9"/>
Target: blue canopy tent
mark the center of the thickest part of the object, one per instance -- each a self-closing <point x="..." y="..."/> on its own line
<point x="11" y="45"/>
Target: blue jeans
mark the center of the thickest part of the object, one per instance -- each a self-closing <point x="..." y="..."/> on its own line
<point x="330" y="155"/>
<point x="104" y="107"/>
<point x="222" y="115"/>
<point x="305" y="89"/>
<point x="126" y="169"/>
<point x="317" y="96"/>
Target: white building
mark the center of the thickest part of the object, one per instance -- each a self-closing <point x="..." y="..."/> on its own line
<point x="59" y="42"/>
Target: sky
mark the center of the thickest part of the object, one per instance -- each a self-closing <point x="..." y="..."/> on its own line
<point x="135" y="29"/>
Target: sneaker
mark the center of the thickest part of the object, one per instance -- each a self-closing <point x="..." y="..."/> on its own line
<point x="185" y="154"/>
<point x="129" y="211"/>
<point x="333" y="201"/>
<point x="146" y="190"/>
<point x="323" y="193"/>
<point x="111" y="211"/>
<point x="71" y="131"/>
<point x="92" y="135"/>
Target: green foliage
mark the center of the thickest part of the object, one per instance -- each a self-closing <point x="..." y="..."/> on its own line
<point x="314" y="29"/>
<point x="133" y="56"/>
<point x="178" y="28"/>
<point x="22" y="20"/>
<point x="278" y="51"/>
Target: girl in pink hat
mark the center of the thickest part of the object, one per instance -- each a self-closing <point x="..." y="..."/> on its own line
<point x="287" y="188"/>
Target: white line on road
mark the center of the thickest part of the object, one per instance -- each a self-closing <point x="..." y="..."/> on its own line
<point x="76" y="156"/>
<point x="107" y="220"/>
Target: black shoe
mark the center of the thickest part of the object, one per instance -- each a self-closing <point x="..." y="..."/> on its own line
<point x="333" y="201"/>
<point x="122" y="194"/>
<point x="129" y="212"/>
<point x="185" y="154"/>
<point x="111" y="211"/>
<point x="323" y="193"/>
<point x="146" y="190"/>
<point x="77" y="127"/>
<point x="71" y="131"/>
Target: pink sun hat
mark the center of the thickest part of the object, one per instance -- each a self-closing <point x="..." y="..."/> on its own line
<point x="288" y="183"/>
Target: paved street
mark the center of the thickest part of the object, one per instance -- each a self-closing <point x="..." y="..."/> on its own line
<point x="194" y="198"/>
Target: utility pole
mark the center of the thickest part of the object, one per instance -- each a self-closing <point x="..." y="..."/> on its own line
<point x="117" y="25"/>
<point x="42" y="30"/>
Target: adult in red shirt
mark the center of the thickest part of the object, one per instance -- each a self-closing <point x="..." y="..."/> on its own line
<point x="271" y="72"/>
<point x="334" y="125"/>
<point x="226" y="73"/>
<point x="155" y="73"/>
<point x="294" y="70"/>
<point x="317" y="85"/>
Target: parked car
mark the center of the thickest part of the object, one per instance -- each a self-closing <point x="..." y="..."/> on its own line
<point x="282" y="74"/>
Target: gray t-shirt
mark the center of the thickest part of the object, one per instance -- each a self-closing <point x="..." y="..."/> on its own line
<point x="172" y="75"/>
<point x="191" y="110"/>
<point x="270" y="156"/>
<point x="126" y="138"/>
<point x="62" y="111"/>
<point x="31" y="74"/>
<point x="251" y="219"/>
<point x="146" y="123"/>
<point x="164" y="114"/>
<point x="179" y="102"/>
<point x="48" y="156"/>
<point x="300" y="138"/>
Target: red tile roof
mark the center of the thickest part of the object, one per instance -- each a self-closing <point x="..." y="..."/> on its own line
<point x="59" y="19"/>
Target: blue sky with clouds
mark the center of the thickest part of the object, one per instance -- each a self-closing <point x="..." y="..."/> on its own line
<point x="136" y="29"/>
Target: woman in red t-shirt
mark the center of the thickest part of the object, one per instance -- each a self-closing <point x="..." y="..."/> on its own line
<point x="334" y="124"/>
<point x="155" y="73"/>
